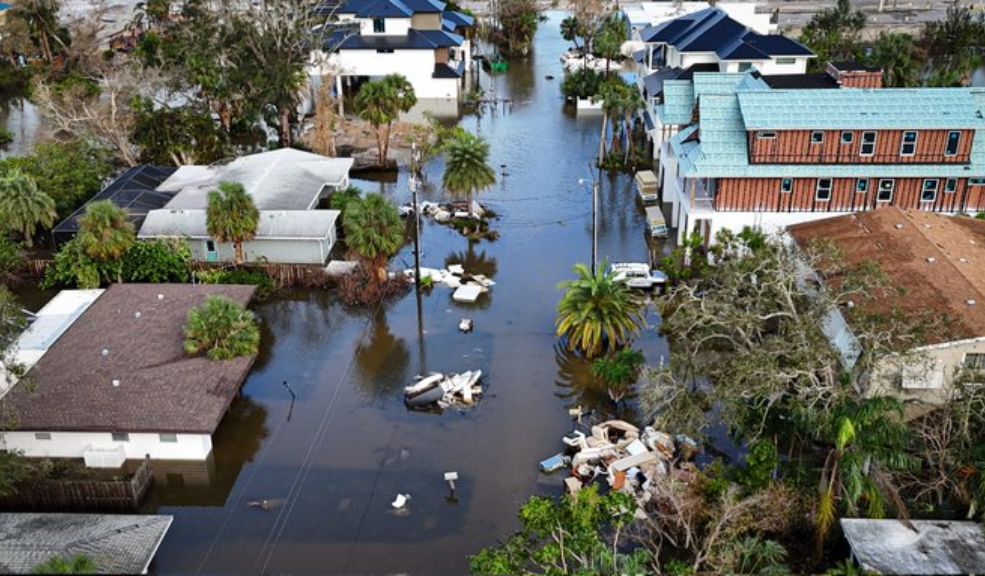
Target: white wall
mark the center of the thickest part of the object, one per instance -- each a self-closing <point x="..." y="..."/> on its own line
<point x="416" y="65"/>
<point x="73" y="444"/>
<point x="393" y="27"/>
<point x="947" y="357"/>
<point x="274" y="251"/>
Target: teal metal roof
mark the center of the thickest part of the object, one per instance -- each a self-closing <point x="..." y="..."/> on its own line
<point x="678" y="103"/>
<point x="679" y="96"/>
<point x="833" y="109"/>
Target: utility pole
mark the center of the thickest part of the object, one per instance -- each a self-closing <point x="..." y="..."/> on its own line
<point x="417" y="225"/>
<point x="595" y="225"/>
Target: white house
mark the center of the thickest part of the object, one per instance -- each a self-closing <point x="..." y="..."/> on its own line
<point x="939" y="260"/>
<point x="286" y="186"/>
<point x="419" y="39"/>
<point x="114" y="383"/>
<point x="647" y="14"/>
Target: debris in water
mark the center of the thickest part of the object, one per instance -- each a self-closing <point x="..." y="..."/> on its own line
<point x="465" y="325"/>
<point x="443" y="391"/>
<point x="400" y="501"/>
<point x="555" y="462"/>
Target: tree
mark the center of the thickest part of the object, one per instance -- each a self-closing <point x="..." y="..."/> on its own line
<point x="833" y="33"/>
<point x="517" y="24"/>
<point x="72" y="171"/>
<point x="158" y="261"/>
<point x="327" y="120"/>
<point x="609" y="40"/>
<point x="41" y="19"/>
<point x="183" y="135"/>
<point x="380" y="103"/>
<point x="221" y="329"/>
<point x="23" y="207"/>
<point x="597" y="313"/>
<point x="231" y="216"/>
<point x="72" y="267"/>
<point x="579" y="534"/>
<point x="13" y="467"/>
<point x="583" y="83"/>
<point x="619" y="371"/>
<point x="952" y="47"/>
<point x="11" y="260"/>
<point x="571" y="30"/>
<point x="893" y="53"/>
<point x="373" y="230"/>
<point x="105" y="233"/>
<point x="467" y="169"/>
<point x="78" y="564"/>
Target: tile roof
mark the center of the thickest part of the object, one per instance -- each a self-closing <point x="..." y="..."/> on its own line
<point x="116" y="543"/>
<point x="712" y="30"/>
<point x="452" y="19"/>
<point x="940" y="260"/>
<point x="414" y="40"/>
<point x="860" y="109"/>
<point x="383" y="8"/>
<point x="160" y="390"/>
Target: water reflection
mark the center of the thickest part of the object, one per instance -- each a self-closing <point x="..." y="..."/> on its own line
<point x="474" y="262"/>
<point x="578" y="387"/>
<point x="208" y="483"/>
<point x="381" y="361"/>
<point x="24" y="122"/>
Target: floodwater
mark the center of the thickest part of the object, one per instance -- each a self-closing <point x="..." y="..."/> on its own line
<point x="330" y="461"/>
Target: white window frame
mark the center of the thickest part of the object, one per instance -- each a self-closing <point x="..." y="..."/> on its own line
<point x="903" y="143"/>
<point x="891" y="190"/>
<point x="864" y="189"/>
<point x="42" y="436"/>
<point x="766" y="135"/>
<point x="847" y="137"/>
<point x="819" y="139"/>
<point x="957" y="143"/>
<point x="924" y="189"/>
<point x="786" y="61"/>
<point x="784" y="189"/>
<point x="167" y="437"/>
<point x="950" y="185"/>
<point x="818" y="189"/>
<point x="863" y="143"/>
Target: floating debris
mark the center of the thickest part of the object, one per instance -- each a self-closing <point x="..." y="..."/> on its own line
<point x="400" y="501"/>
<point x="438" y="390"/>
<point x="468" y="287"/>
<point x="465" y="325"/>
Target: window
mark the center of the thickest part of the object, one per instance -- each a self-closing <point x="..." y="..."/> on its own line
<point x="379" y="25"/>
<point x="861" y="186"/>
<point x="951" y="185"/>
<point x="886" y="188"/>
<point x="786" y="185"/>
<point x="823" y="191"/>
<point x="169" y="438"/>
<point x="210" y="245"/>
<point x="384" y="50"/>
<point x="42" y="435"/>
<point x="764" y="135"/>
<point x="786" y="61"/>
<point x="817" y="137"/>
<point x="953" y="138"/>
<point x="974" y="361"/>
<point x="121" y="437"/>
<point x="928" y="193"/>
<point x="976" y="181"/>
<point x="745" y="66"/>
<point x="868" y="147"/>
<point x="847" y="137"/>
<point x="908" y="147"/>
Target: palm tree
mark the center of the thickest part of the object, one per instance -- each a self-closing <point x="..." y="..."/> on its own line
<point x="618" y="372"/>
<point x="467" y="170"/>
<point x="380" y="103"/>
<point x="893" y="53"/>
<point x="231" y="216"/>
<point x="867" y="438"/>
<point x="373" y="229"/>
<point x="597" y="312"/>
<point x="571" y="30"/>
<point x="104" y="231"/>
<point x="221" y="329"/>
<point x="23" y="207"/>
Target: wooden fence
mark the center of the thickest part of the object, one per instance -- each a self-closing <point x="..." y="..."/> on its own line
<point x="283" y="275"/>
<point x="81" y="495"/>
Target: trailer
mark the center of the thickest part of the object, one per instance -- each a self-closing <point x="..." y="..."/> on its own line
<point x="655" y="222"/>
<point x="646" y="186"/>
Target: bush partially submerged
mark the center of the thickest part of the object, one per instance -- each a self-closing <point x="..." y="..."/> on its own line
<point x="221" y="329"/>
<point x="359" y="288"/>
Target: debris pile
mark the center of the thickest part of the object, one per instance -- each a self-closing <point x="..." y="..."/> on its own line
<point x="618" y="453"/>
<point x="469" y="219"/>
<point x="467" y="287"/>
<point x="441" y="391"/>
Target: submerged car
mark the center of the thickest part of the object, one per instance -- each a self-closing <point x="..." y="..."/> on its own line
<point x="637" y="275"/>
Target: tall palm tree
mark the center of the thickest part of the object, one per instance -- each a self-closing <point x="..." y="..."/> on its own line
<point x="374" y="230"/>
<point x="104" y="231"/>
<point x="868" y="439"/>
<point x="380" y="103"/>
<point x="571" y="30"/>
<point x="893" y="53"/>
<point x="23" y="207"/>
<point x="221" y="329"/>
<point x="467" y="169"/>
<point x="231" y="216"/>
<point x="41" y="18"/>
<point x="597" y="313"/>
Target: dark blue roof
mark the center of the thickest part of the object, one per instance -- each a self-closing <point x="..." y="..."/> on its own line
<point x="383" y="8"/>
<point x="414" y="40"/>
<point x="452" y="20"/>
<point x="712" y="30"/>
<point x="425" y="6"/>
<point x="445" y="71"/>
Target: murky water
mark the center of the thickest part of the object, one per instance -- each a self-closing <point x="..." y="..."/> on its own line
<point x="330" y="462"/>
<point x="24" y="122"/>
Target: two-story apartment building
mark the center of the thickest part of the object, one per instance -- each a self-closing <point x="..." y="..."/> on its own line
<point x="709" y="40"/>
<point x="419" y="39"/>
<point x="771" y="158"/>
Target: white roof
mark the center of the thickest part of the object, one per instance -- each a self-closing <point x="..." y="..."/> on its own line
<point x="49" y="324"/>
<point x="284" y="179"/>
<point x="930" y="547"/>
<point x="274" y="224"/>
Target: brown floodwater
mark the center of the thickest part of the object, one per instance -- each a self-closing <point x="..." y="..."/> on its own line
<point x="330" y="462"/>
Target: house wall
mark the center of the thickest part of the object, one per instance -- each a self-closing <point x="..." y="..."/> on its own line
<point x="416" y="65"/>
<point x="771" y="66"/>
<point x="73" y="444"/>
<point x="292" y="251"/>
<point x="392" y="27"/>
<point x="754" y="194"/>
<point x="795" y="147"/>
<point x="426" y="22"/>
<point x="948" y="358"/>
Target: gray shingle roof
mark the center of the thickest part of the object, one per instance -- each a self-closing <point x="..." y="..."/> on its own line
<point x="931" y="547"/>
<point x="160" y="388"/>
<point x="116" y="543"/>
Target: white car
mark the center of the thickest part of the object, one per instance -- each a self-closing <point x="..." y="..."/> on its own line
<point x="637" y="275"/>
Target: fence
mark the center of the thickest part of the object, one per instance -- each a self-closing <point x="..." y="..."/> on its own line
<point x="81" y="495"/>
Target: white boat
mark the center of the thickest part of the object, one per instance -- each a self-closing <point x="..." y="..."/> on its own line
<point x="424" y="384"/>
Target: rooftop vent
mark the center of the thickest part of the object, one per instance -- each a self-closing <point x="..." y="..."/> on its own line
<point x="160" y="296"/>
<point x="899" y="226"/>
<point x="116" y="383"/>
<point x="970" y="302"/>
<point x="931" y="260"/>
<point x="136" y="314"/>
<point x="963" y="260"/>
<point x="105" y="352"/>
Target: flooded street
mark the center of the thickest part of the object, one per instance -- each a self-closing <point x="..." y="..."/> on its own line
<point x="330" y="462"/>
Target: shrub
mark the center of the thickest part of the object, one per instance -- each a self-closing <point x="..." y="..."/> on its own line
<point x="69" y="172"/>
<point x="73" y="268"/>
<point x="6" y="137"/>
<point x="221" y="329"/>
<point x="583" y="84"/>
<point x="157" y="261"/>
<point x="11" y="259"/>
<point x="265" y="285"/>
<point x="341" y="198"/>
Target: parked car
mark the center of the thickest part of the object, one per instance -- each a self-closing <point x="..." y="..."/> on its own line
<point x="637" y="275"/>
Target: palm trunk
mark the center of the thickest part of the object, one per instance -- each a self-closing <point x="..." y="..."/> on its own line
<point x="629" y="138"/>
<point x="379" y="144"/>
<point x="285" y="127"/>
<point x="238" y="257"/>
<point x="28" y="241"/>
<point x="386" y="144"/>
<point x="605" y="118"/>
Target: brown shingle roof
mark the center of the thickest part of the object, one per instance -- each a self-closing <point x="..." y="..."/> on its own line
<point x="938" y="260"/>
<point x="161" y="389"/>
